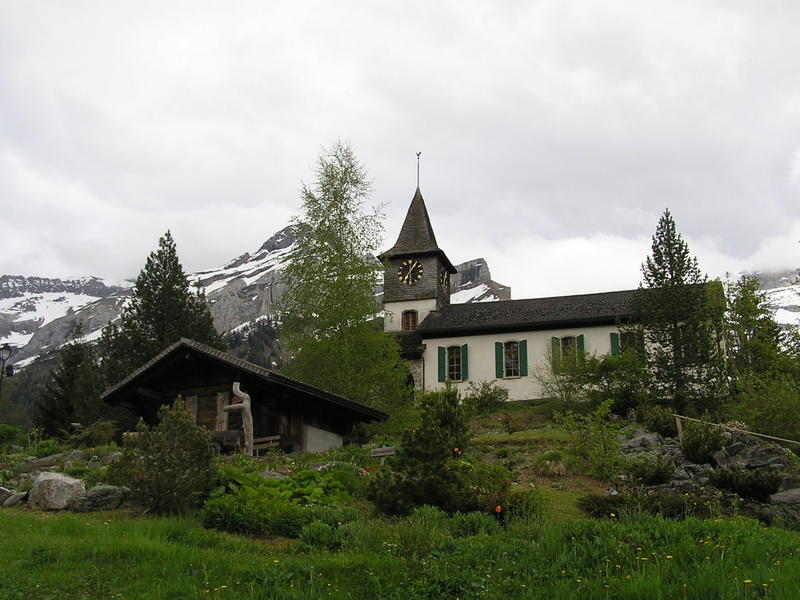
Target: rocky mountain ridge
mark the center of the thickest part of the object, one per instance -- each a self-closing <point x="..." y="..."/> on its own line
<point x="38" y="315"/>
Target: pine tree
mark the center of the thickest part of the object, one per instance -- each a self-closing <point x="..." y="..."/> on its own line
<point x="73" y="391"/>
<point x="162" y="310"/>
<point x="329" y="307"/>
<point x="680" y="316"/>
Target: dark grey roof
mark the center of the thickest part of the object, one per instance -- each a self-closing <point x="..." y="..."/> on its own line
<point x="410" y="344"/>
<point x="249" y="368"/>
<point x="416" y="234"/>
<point x="529" y="314"/>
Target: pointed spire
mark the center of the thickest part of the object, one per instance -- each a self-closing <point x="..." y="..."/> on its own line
<point x="416" y="234"/>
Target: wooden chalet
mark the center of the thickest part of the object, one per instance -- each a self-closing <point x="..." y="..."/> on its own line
<point x="291" y="414"/>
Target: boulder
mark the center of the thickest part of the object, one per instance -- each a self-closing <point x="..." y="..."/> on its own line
<point x="45" y="461"/>
<point x="101" y="497"/>
<point x="76" y="455"/>
<point x="54" y="491"/>
<point x="272" y="475"/>
<point x="4" y="493"/>
<point x="14" y="499"/>
<point x="111" y="457"/>
<point x="786" y="497"/>
<point x="643" y="441"/>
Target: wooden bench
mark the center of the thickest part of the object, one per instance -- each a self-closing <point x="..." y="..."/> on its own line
<point x="382" y="452"/>
<point x="265" y="443"/>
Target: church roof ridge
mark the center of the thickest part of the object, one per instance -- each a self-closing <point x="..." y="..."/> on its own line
<point x="416" y="234"/>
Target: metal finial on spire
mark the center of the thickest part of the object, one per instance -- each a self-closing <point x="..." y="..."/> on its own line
<point x="418" y="153"/>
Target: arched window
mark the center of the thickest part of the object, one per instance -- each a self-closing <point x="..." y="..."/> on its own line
<point x="409" y="320"/>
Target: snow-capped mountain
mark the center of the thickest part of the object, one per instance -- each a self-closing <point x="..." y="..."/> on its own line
<point x="38" y="315"/>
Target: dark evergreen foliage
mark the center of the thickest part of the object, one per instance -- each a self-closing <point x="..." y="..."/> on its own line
<point x="680" y="315"/>
<point x="424" y="470"/>
<point x="73" y="391"/>
<point x="162" y="310"/>
<point x="258" y="343"/>
<point x="169" y="466"/>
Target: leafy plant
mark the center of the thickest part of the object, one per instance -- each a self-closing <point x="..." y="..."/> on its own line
<point x="11" y="435"/>
<point x="700" y="441"/>
<point x="168" y="466"/>
<point x="472" y="523"/>
<point x="658" y="419"/>
<point x="594" y="438"/>
<point x="554" y="463"/>
<point x="485" y="396"/>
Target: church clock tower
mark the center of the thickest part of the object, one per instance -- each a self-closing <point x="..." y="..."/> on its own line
<point x="416" y="279"/>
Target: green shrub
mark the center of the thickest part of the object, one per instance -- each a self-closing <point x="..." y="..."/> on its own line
<point x="77" y="471"/>
<point x="756" y="484"/>
<point x="594" y="438"/>
<point x="100" y="433"/>
<point x="474" y="523"/>
<point x="490" y="483"/>
<point x="350" y="477"/>
<point x="485" y="396"/>
<point x="669" y="505"/>
<point x="424" y="470"/>
<point x="11" y="436"/>
<point x="649" y="468"/>
<point x="700" y="441"/>
<point x="525" y="505"/>
<point x="47" y="447"/>
<point x="658" y="419"/>
<point x="422" y="532"/>
<point x="320" y="535"/>
<point x="167" y="467"/>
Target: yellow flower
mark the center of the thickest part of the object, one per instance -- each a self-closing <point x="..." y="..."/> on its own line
<point x="748" y="581"/>
<point x="669" y="555"/>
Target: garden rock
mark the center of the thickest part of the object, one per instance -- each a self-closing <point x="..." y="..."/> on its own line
<point x="786" y="497"/>
<point x="101" y="497"/>
<point x="76" y="455"/>
<point x="54" y="491"/>
<point x="4" y="493"/>
<point x="14" y="499"/>
<point x="111" y="457"/>
<point x="45" y="461"/>
<point x="643" y="441"/>
<point x="272" y="475"/>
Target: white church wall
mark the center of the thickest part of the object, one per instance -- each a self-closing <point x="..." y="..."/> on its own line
<point x="393" y="317"/>
<point x="481" y="357"/>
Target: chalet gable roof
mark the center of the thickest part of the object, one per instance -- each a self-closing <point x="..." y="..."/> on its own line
<point x="113" y="394"/>
<point x="526" y="315"/>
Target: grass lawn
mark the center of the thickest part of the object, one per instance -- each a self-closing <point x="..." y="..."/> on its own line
<point x="120" y="556"/>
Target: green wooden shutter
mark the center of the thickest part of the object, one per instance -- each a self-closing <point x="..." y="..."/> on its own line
<point x="523" y="358"/>
<point x="464" y="363"/>
<point x="581" y="349"/>
<point x="555" y="354"/>
<point x="498" y="360"/>
<point x="442" y="364"/>
<point x="615" y="347"/>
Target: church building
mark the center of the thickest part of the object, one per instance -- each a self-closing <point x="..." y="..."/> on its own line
<point x="506" y="342"/>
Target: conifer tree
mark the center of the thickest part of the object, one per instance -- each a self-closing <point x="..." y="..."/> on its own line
<point x="73" y="391"/>
<point x="162" y="310"/>
<point x="329" y="307"/>
<point x="680" y="316"/>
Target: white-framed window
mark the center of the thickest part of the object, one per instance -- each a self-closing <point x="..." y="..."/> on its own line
<point x="454" y="363"/>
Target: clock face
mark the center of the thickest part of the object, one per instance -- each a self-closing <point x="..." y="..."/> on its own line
<point x="410" y="271"/>
<point x="444" y="279"/>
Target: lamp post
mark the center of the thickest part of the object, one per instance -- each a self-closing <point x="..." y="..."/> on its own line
<point x="5" y="371"/>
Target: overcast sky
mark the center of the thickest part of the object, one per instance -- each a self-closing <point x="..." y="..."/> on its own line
<point x="553" y="133"/>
